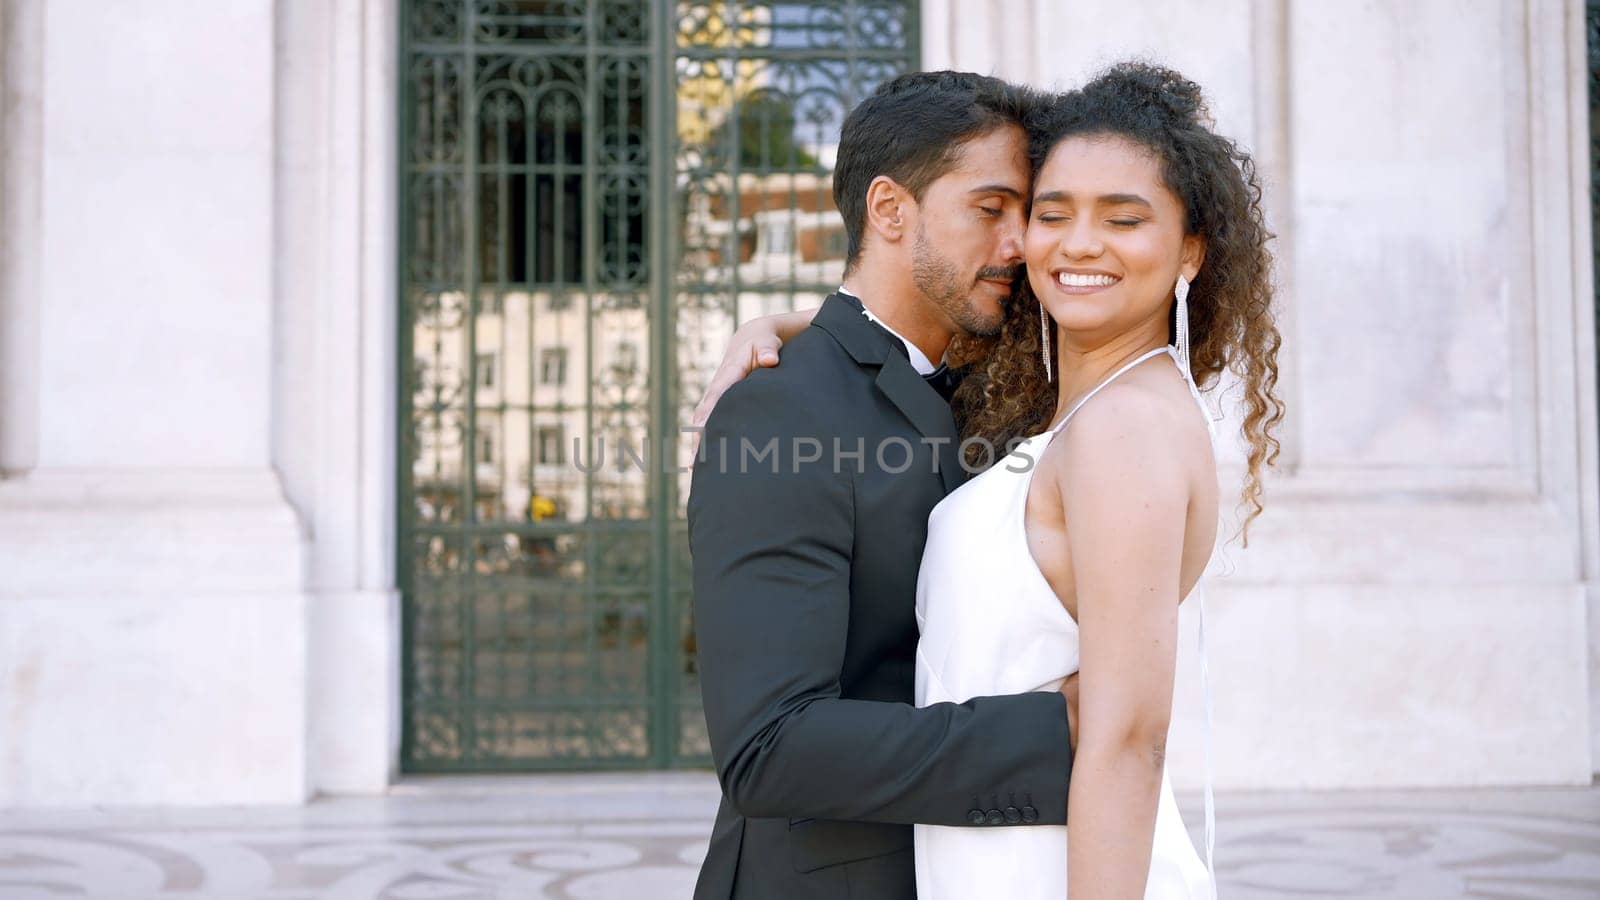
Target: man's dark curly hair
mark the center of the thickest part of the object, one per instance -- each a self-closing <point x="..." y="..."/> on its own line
<point x="1231" y="322"/>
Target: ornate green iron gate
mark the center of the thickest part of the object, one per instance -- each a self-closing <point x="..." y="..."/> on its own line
<point x="593" y="195"/>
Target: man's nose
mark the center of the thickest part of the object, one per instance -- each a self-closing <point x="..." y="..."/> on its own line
<point x="1011" y="243"/>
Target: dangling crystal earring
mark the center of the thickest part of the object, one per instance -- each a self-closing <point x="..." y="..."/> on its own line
<point x="1181" y="323"/>
<point x="1044" y="341"/>
<point x="1180" y="350"/>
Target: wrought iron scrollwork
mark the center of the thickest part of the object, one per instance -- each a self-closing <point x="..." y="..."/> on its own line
<point x="546" y="575"/>
<point x="761" y="91"/>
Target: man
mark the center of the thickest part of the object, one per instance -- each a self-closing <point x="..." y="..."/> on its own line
<point x="808" y="516"/>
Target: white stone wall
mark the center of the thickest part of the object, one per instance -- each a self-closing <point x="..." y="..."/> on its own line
<point x="197" y="389"/>
<point x="1413" y="608"/>
<point x="153" y="606"/>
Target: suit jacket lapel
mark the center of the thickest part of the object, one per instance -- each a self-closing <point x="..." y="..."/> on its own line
<point x="841" y="317"/>
<point x="926" y="410"/>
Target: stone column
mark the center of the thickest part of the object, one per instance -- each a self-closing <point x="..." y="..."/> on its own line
<point x="152" y="614"/>
<point x="335" y="375"/>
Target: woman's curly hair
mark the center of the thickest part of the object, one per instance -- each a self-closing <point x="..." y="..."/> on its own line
<point x="1231" y="323"/>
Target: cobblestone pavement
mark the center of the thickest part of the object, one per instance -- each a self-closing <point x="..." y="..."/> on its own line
<point x="641" y="837"/>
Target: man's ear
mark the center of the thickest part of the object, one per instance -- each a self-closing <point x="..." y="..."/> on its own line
<point x="1194" y="256"/>
<point x="887" y="205"/>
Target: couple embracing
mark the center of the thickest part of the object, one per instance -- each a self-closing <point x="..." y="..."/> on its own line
<point x="936" y="605"/>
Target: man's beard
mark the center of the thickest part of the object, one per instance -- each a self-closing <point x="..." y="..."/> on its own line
<point x="937" y="278"/>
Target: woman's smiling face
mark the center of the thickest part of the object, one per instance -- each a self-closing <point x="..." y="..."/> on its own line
<point x="1105" y="241"/>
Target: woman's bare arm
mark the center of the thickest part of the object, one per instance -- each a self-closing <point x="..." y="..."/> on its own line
<point x="1125" y="498"/>
<point x="755" y="345"/>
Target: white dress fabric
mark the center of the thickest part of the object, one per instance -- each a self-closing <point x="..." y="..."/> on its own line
<point x="990" y="624"/>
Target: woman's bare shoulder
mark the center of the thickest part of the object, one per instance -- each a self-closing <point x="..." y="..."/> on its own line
<point x="1132" y="437"/>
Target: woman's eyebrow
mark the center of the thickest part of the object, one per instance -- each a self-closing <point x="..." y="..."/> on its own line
<point x="1119" y="199"/>
<point x="1106" y="199"/>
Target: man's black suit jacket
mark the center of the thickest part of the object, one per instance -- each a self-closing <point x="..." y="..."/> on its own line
<point x="805" y="573"/>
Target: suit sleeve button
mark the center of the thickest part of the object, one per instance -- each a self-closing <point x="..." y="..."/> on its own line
<point x="976" y="816"/>
<point x="1030" y="815"/>
<point x="1013" y="815"/>
<point x="996" y="817"/>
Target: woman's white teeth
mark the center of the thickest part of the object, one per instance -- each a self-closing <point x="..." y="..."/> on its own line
<point x="1071" y="279"/>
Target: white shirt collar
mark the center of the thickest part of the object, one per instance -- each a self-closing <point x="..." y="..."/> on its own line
<point x="919" y="360"/>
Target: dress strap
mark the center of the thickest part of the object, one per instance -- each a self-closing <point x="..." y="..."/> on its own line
<point x="1205" y="702"/>
<point x="1180" y="357"/>
<point x="1194" y="391"/>
<point x="1101" y="386"/>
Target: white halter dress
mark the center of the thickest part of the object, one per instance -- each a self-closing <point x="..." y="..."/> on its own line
<point x="991" y="624"/>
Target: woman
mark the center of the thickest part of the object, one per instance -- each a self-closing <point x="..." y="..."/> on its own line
<point x="1146" y="258"/>
<point x="1147" y="276"/>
